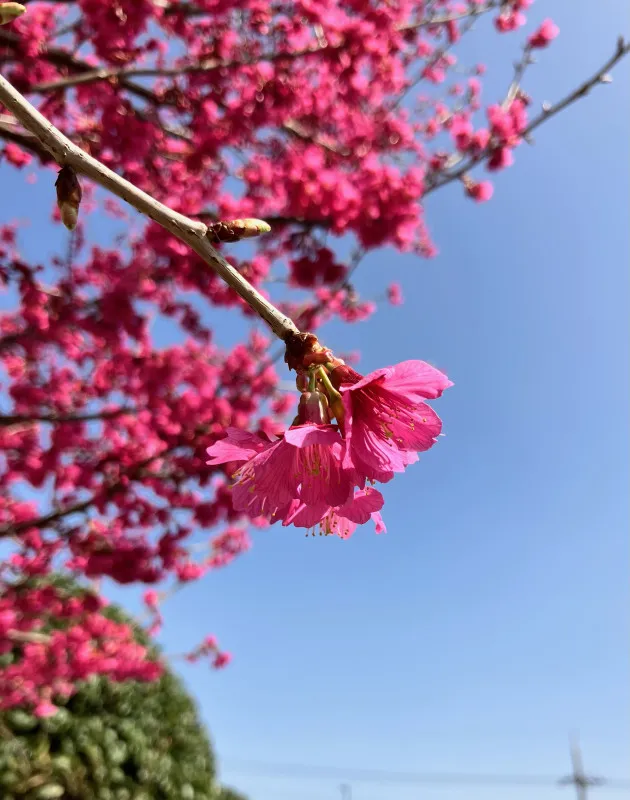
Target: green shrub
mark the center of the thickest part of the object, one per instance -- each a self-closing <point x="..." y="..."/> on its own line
<point x="110" y="741"/>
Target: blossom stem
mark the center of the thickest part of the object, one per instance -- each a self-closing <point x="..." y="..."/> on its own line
<point x="333" y="394"/>
<point x="191" y="232"/>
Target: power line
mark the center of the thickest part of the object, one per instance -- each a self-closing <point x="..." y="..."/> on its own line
<point x="314" y="772"/>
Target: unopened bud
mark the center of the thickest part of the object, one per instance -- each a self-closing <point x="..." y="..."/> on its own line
<point x="313" y="408"/>
<point x="302" y="382"/>
<point x="10" y="11"/>
<point x="68" y="197"/>
<point x="237" y="229"/>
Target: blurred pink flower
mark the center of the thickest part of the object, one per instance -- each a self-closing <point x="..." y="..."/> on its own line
<point x="45" y="709"/>
<point x="481" y="192"/>
<point x="545" y="34"/>
<point x="394" y="294"/>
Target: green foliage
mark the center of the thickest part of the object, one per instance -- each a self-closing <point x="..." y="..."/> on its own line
<point x="226" y="793"/>
<point x="111" y="741"/>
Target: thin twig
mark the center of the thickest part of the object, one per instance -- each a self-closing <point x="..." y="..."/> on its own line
<point x="191" y="232"/>
<point x="472" y="11"/>
<point x="622" y="50"/>
<point x="519" y="71"/>
<point x="213" y="64"/>
<point x="90" y="75"/>
<point x="56" y="419"/>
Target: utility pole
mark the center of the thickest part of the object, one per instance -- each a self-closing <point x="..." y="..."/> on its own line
<point x="578" y="777"/>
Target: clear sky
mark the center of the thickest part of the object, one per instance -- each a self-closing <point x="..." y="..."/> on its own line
<point x="492" y="618"/>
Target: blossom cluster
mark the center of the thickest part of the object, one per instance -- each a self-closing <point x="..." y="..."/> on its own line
<point x="334" y="123"/>
<point x="311" y="105"/>
<point x="50" y="640"/>
<point x="350" y="432"/>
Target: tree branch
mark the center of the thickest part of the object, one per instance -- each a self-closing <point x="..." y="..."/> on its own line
<point x="473" y="11"/>
<point x="132" y="472"/>
<point x="16" y="419"/>
<point x="191" y="232"/>
<point x="88" y="74"/>
<point x="10" y="132"/>
<point x="192" y="10"/>
<point x="62" y="58"/>
<point x="622" y="50"/>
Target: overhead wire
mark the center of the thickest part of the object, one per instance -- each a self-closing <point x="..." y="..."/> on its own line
<point x="314" y="772"/>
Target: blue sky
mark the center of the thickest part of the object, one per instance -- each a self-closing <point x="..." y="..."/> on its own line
<point x="492" y="618"/>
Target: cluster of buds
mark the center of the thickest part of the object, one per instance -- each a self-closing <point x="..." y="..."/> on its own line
<point x="320" y="403"/>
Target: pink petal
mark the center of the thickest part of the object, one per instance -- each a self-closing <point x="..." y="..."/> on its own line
<point x="322" y="479"/>
<point x="375" y="456"/>
<point x="305" y="435"/>
<point x="276" y="473"/>
<point x="362" y="505"/>
<point x="378" y="523"/>
<point x="238" y="445"/>
<point x="342" y="527"/>
<point x="256" y="504"/>
<point x="416" y="379"/>
<point x="415" y="432"/>
<point x="373" y="377"/>
<point x="303" y="516"/>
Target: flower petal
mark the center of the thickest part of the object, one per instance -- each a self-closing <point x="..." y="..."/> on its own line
<point x="378" y="523"/>
<point x="321" y="476"/>
<point x="374" y="455"/>
<point x="238" y="445"/>
<point x="305" y="435"/>
<point x="417" y="431"/>
<point x="362" y="505"/>
<point x="416" y="379"/>
<point x="303" y="516"/>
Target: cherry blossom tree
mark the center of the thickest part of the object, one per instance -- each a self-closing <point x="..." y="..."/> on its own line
<point x="296" y="126"/>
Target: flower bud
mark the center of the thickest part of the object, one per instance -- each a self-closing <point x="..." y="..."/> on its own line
<point x="68" y="197"/>
<point x="236" y="229"/>
<point x="302" y="382"/>
<point x="10" y="11"/>
<point x="313" y="408"/>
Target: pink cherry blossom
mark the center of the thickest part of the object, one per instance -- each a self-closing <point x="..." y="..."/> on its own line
<point x="481" y="192"/>
<point x="343" y="520"/>
<point x="151" y="599"/>
<point x="45" y="709"/>
<point x="306" y="463"/>
<point x="113" y="379"/>
<point x="394" y="294"/>
<point x="386" y="421"/>
<point x="545" y="34"/>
